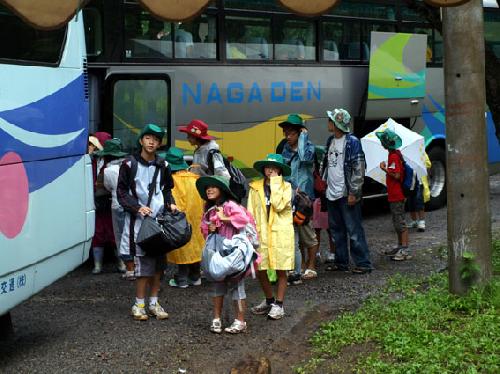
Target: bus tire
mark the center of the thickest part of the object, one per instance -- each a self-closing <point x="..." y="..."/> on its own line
<point x="437" y="178"/>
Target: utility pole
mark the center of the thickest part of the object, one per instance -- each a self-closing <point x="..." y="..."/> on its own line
<point x="469" y="218"/>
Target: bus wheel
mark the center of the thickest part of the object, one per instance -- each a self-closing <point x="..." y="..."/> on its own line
<point x="6" y="328"/>
<point x="437" y="179"/>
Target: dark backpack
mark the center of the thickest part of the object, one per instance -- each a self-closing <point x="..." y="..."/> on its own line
<point x="238" y="183"/>
<point x="409" y="181"/>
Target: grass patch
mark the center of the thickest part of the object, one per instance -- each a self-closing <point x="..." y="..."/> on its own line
<point x="416" y="326"/>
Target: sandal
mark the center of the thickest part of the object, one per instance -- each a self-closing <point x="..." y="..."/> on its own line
<point x="309" y="274"/>
<point x="236" y="327"/>
<point x="361" y="270"/>
<point x="129" y="275"/>
<point x="336" y="267"/>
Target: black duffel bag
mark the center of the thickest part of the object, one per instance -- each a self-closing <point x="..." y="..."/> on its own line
<point x="163" y="234"/>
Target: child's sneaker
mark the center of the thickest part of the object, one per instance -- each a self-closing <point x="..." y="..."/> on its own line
<point x="120" y="265"/>
<point x="174" y="283"/>
<point x="330" y="258"/>
<point x="236" y="327"/>
<point x="97" y="268"/>
<point x="139" y="313"/>
<point x="276" y="312"/>
<point x="194" y="283"/>
<point x="157" y="311"/>
<point x="294" y="279"/>
<point x="413" y="224"/>
<point x="421" y="225"/>
<point x="402" y="255"/>
<point x="129" y="275"/>
<point x="262" y="308"/>
<point x="216" y="326"/>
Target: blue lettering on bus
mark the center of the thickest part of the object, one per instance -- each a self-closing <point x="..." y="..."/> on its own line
<point x="255" y="94"/>
<point x="235" y="92"/>
<point x="278" y="92"/>
<point x="10" y="284"/>
<point x="214" y="94"/>
<point x="186" y="90"/>
<point x="311" y="91"/>
<point x="296" y="91"/>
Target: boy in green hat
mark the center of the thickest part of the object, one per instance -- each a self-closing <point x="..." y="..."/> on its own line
<point x="134" y="184"/>
<point x="269" y="201"/>
<point x="394" y="178"/>
<point x="298" y="152"/>
<point x="187" y="200"/>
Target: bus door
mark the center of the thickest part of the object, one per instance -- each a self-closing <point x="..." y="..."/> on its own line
<point x="133" y="100"/>
<point x="397" y="73"/>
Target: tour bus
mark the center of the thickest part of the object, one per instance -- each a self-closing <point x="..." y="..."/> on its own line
<point x="46" y="187"/>
<point x="243" y="66"/>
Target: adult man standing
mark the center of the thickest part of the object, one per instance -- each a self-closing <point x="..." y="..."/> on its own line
<point x="344" y="170"/>
<point x="298" y="152"/>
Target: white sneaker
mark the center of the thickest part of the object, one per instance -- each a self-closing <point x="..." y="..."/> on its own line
<point x="139" y="313"/>
<point x="262" y="308"/>
<point x="195" y="283"/>
<point x="276" y="312"/>
<point x="236" y="327"/>
<point x="121" y="266"/>
<point x="216" y="326"/>
<point x="330" y="258"/>
<point x="421" y="225"/>
<point x="157" y="311"/>
<point x="402" y="255"/>
<point x="97" y="268"/>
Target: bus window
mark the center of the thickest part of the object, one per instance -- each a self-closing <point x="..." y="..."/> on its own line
<point x="438" y="48"/>
<point x="145" y="36"/>
<point x="22" y="42"/>
<point x="93" y="31"/>
<point x="332" y="39"/>
<point x="296" y="40"/>
<point x="266" y="5"/>
<point x="197" y="38"/>
<point x="248" y="38"/>
<point x="492" y="31"/>
<point x="365" y="9"/>
<point x="137" y="102"/>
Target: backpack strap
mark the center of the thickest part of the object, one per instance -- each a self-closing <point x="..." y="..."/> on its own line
<point x="210" y="159"/>
<point x="152" y="186"/>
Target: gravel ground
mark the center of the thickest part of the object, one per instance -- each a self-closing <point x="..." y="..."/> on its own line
<point x="81" y="323"/>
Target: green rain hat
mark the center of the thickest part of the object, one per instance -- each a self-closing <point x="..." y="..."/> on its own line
<point x="112" y="147"/>
<point x="293" y="120"/>
<point x="389" y="139"/>
<point x="213" y="180"/>
<point x="175" y="159"/>
<point x="273" y="159"/>
<point x="341" y="118"/>
<point x="151" y="129"/>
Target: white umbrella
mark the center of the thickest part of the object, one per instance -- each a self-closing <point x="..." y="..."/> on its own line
<point x="413" y="150"/>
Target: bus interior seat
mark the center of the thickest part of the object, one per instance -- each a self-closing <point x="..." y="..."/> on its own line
<point x="292" y="49"/>
<point x="354" y="52"/>
<point x="257" y="48"/>
<point x="330" y="50"/>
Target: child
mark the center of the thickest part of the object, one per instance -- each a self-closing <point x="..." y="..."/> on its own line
<point x="416" y="203"/>
<point x="133" y="192"/>
<point x="394" y="170"/>
<point x="225" y="217"/>
<point x="187" y="199"/>
<point x="269" y="201"/>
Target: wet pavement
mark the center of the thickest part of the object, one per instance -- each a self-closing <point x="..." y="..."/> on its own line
<point x="81" y="323"/>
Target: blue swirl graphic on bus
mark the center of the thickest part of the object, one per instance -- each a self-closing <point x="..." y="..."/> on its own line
<point x="54" y="127"/>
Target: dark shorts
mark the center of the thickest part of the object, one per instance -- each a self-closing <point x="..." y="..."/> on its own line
<point x="146" y="266"/>
<point x="398" y="216"/>
<point x="416" y="203"/>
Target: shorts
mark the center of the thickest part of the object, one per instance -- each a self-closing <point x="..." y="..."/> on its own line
<point x="307" y="235"/>
<point x="398" y="216"/>
<point x="237" y="289"/>
<point x="416" y="203"/>
<point x="146" y="266"/>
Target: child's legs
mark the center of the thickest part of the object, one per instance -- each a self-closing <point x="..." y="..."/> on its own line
<point x="331" y="243"/>
<point x="282" y="284"/>
<point x="194" y="271"/>
<point x="398" y="220"/>
<point x="218" y="304"/>
<point x="148" y="271"/>
<point x="154" y="284"/>
<point x="265" y="284"/>
<point x="239" y="297"/>
<point x="141" y="284"/>
<point x="182" y="273"/>
<point x="298" y="254"/>
<point x="309" y="241"/>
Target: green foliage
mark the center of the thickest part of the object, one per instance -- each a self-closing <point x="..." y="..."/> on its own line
<point x="469" y="268"/>
<point x="418" y="326"/>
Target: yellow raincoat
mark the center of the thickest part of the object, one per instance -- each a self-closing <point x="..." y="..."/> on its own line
<point x="276" y="234"/>
<point x="189" y="201"/>
<point x="425" y="180"/>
